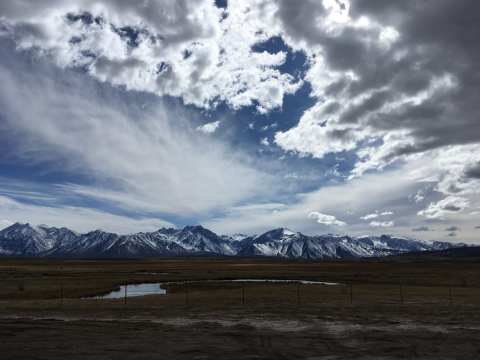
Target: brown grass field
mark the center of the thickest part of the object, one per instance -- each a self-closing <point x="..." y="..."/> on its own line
<point x="436" y="314"/>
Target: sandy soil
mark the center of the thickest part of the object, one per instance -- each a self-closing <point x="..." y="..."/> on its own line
<point x="269" y="331"/>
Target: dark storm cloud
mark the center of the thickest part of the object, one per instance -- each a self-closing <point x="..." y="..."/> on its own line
<point x="432" y="65"/>
<point x="439" y="38"/>
<point x="452" y="228"/>
<point x="298" y="17"/>
<point x="374" y="102"/>
<point x="477" y="227"/>
<point x="452" y="208"/>
<point x="473" y="171"/>
<point x="421" y="228"/>
<point x="452" y="234"/>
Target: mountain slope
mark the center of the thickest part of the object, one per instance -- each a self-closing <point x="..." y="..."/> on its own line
<point x="28" y="240"/>
<point x="44" y="241"/>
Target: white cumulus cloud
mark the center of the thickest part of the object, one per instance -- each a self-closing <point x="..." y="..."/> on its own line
<point x="369" y="216"/>
<point x="329" y="220"/>
<point x="449" y="205"/>
<point x="209" y="128"/>
<point x="192" y="50"/>
<point x="376" y="214"/>
<point x="380" y="223"/>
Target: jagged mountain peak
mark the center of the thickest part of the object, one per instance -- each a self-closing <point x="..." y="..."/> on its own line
<point x="235" y="237"/>
<point x="336" y="235"/>
<point x="27" y="240"/>
<point x="285" y="231"/>
<point x="17" y="225"/>
<point x="99" y="231"/>
<point x="24" y="239"/>
<point x="166" y="231"/>
<point x="23" y="228"/>
<point x="199" y="229"/>
<point x="196" y="227"/>
<point x="277" y="234"/>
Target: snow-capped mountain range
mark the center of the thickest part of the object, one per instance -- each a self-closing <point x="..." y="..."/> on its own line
<point x="44" y="241"/>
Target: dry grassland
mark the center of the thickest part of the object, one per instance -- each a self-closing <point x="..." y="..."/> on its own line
<point x="381" y="310"/>
<point x="41" y="279"/>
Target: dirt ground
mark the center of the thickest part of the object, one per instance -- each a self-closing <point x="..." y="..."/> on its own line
<point x="329" y="323"/>
<point x="278" y="331"/>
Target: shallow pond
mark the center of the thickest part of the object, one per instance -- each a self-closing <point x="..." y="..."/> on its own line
<point x="133" y="290"/>
<point x="155" y="289"/>
<point x="287" y="281"/>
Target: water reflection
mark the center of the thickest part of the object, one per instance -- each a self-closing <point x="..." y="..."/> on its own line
<point x="134" y="290"/>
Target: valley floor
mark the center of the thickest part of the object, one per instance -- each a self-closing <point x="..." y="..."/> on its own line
<point x="369" y="316"/>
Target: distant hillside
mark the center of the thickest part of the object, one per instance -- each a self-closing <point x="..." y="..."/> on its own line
<point x="470" y="253"/>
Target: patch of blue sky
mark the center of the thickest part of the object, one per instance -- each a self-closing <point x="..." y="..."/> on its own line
<point x="295" y="63"/>
<point x="221" y="3"/>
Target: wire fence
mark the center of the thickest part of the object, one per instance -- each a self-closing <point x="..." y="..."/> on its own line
<point x="295" y="293"/>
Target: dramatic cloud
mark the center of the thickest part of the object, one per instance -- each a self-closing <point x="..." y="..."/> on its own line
<point x="209" y="128"/>
<point x="195" y="51"/>
<point x="326" y="219"/>
<point x="473" y="170"/>
<point x="326" y="107"/>
<point x="386" y="87"/>
<point x="388" y="39"/>
<point x="142" y="158"/>
<point x="421" y="228"/>
<point x="382" y="224"/>
<point x="451" y="204"/>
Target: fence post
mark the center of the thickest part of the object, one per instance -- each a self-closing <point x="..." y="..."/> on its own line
<point x="186" y="292"/>
<point x="401" y="294"/>
<point x="298" y="293"/>
<point x="450" y="293"/>
<point x="351" y="294"/>
<point x="61" y="295"/>
<point x="243" y="292"/>
<point x="126" y="294"/>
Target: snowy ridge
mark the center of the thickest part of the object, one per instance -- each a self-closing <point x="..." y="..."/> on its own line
<point x="44" y="241"/>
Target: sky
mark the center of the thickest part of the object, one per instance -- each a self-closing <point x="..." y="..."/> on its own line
<point x="243" y="116"/>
